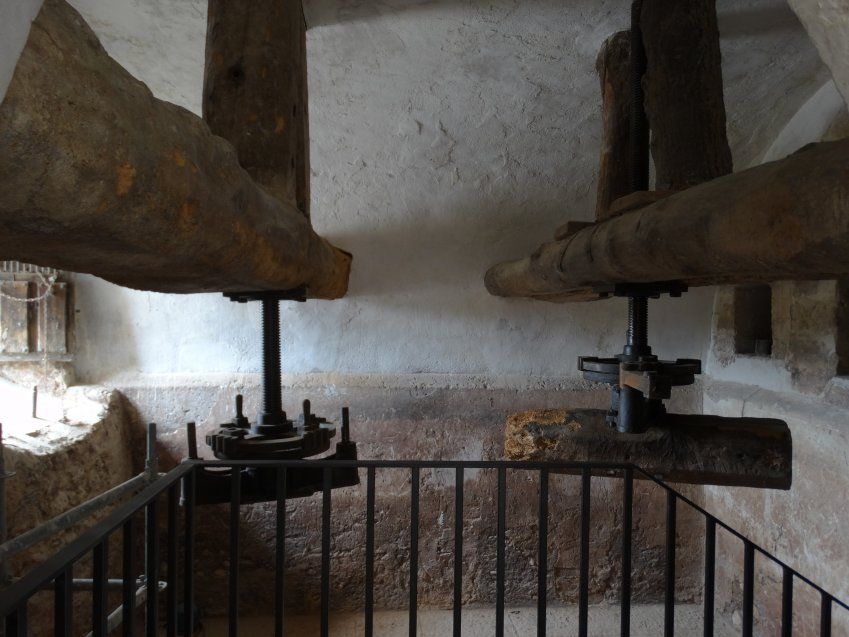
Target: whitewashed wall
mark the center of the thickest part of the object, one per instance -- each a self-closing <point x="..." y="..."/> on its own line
<point x="446" y="136"/>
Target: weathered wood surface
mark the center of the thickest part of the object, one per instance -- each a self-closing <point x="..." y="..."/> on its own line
<point x="683" y="89"/>
<point x="637" y="200"/>
<point x="614" y="168"/>
<point x="753" y="452"/>
<point x="14" y="317"/>
<point x="783" y="220"/>
<point x="255" y="91"/>
<point x="99" y="176"/>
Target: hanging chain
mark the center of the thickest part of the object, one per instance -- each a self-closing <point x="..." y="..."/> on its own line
<point x="47" y="283"/>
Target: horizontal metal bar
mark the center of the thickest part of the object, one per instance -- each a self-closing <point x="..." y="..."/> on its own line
<point x="85" y="584"/>
<point x="71" y="517"/>
<point x="116" y="617"/>
<point x="420" y="464"/>
<point x="54" y="565"/>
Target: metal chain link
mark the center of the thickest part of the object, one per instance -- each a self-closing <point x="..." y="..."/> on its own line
<point x="46" y="282"/>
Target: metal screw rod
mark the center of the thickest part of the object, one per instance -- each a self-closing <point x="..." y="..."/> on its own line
<point x="638" y="322"/>
<point x="272" y="402"/>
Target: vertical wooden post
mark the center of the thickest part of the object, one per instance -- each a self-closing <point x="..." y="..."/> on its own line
<point x="255" y="91"/>
<point x="684" y="96"/>
<point x="613" y="69"/>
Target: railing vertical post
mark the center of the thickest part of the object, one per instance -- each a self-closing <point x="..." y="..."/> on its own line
<point x="189" y="552"/>
<point x="99" y="574"/>
<point x="16" y="623"/>
<point x="627" y="514"/>
<point x="414" y="550"/>
<point x="459" y="481"/>
<point x="584" y="576"/>
<point x="669" y="595"/>
<point x="171" y="591"/>
<point x="235" y="506"/>
<point x="542" y="557"/>
<point x="63" y="603"/>
<point x="280" y="553"/>
<point x="710" y="576"/>
<point x="748" y="589"/>
<point x="501" y="531"/>
<point x="786" y="601"/>
<point x="325" y="553"/>
<point x="825" y="615"/>
<point x="369" y="592"/>
<point x="128" y="573"/>
<point x="152" y="568"/>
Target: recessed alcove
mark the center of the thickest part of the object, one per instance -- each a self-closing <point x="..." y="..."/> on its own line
<point x="753" y="320"/>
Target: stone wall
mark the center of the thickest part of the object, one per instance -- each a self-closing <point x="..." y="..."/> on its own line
<point x="82" y="447"/>
<point x="800" y="382"/>
<point x="438" y="418"/>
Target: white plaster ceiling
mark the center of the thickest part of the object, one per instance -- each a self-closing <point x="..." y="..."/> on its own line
<point x="827" y="23"/>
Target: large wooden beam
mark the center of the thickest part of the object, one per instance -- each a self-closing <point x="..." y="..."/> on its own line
<point x="255" y="91"/>
<point x="98" y="176"/>
<point x="750" y="452"/>
<point x="787" y="219"/>
<point x="683" y="92"/>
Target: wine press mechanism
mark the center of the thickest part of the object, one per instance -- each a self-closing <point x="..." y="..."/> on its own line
<point x="273" y="436"/>
<point x="639" y="380"/>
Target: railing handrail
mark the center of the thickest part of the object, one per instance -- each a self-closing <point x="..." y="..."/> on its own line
<point x="20" y="590"/>
<point x="709" y="516"/>
<point x="333" y="463"/>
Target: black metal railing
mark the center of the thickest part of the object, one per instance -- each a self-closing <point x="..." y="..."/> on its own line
<point x="178" y="486"/>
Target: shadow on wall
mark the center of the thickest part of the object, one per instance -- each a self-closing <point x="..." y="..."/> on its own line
<point x="735" y="20"/>
<point x="325" y="12"/>
<point x="449" y="249"/>
<point x="104" y="322"/>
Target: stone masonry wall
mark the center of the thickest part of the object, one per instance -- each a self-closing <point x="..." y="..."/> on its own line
<point x="428" y="421"/>
<point x="58" y="465"/>
<point x="801" y="382"/>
